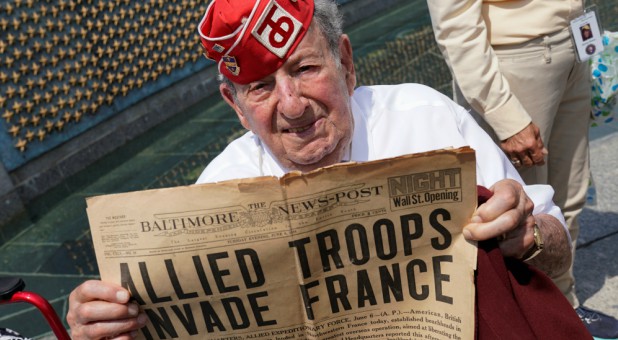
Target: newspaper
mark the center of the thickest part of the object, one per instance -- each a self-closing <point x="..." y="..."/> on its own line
<point x="368" y="250"/>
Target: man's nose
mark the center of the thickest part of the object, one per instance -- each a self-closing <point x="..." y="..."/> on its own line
<point x="291" y="104"/>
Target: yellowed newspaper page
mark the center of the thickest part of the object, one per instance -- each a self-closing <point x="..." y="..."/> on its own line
<point x="354" y="251"/>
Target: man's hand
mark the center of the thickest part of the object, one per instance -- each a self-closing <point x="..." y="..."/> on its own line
<point x="525" y="148"/>
<point x="507" y="215"/>
<point x="99" y="310"/>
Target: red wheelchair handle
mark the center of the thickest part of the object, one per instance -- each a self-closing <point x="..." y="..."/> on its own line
<point x="11" y="290"/>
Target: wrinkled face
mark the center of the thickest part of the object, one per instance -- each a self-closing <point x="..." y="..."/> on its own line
<point x="302" y="111"/>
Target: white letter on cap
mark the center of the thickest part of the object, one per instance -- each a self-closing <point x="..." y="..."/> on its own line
<point x="276" y="29"/>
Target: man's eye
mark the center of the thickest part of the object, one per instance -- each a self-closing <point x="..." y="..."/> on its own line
<point x="305" y="68"/>
<point x="257" y="87"/>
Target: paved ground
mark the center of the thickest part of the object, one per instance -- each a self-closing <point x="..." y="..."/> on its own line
<point x="596" y="268"/>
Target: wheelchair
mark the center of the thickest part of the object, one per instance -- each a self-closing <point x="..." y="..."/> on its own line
<point x="12" y="291"/>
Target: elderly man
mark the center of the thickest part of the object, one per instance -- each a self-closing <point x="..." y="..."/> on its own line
<point x="287" y="71"/>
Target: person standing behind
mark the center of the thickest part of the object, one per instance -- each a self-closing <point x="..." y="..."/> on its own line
<point x="513" y="63"/>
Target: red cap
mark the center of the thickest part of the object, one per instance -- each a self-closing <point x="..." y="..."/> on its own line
<point x="250" y="39"/>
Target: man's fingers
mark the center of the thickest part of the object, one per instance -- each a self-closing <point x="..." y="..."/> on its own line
<point x="116" y="329"/>
<point x="101" y="310"/>
<point x="502" y="225"/>
<point x="525" y="148"/>
<point x="98" y="290"/>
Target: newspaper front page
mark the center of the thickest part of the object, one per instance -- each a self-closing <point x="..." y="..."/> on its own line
<point x="354" y="251"/>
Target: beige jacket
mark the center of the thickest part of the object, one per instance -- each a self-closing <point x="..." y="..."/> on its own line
<point x="466" y="30"/>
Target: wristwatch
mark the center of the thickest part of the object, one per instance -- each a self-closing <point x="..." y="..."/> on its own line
<point x="537" y="247"/>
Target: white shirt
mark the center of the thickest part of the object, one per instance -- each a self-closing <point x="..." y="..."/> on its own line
<point x="390" y="121"/>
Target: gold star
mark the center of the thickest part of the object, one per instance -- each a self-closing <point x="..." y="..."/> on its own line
<point x="21" y="145"/>
<point x="22" y="39"/>
<point x="67" y="117"/>
<point x="29" y="135"/>
<point x="77" y="116"/>
<point x="10" y="92"/>
<point x="37" y="98"/>
<point x="10" y="38"/>
<point x="2" y="101"/>
<point x="50" y="25"/>
<point x="35" y="120"/>
<point x="3" y="77"/>
<point x="61" y="102"/>
<point x="35" y="68"/>
<point x="41" y="134"/>
<point x="54" y="111"/>
<point x="49" y="125"/>
<point x="22" y="91"/>
<point x="17" y="107"/>
<point x="23" y="121"/>
<point x="71" y="102"/>
<point x="8" y="115"/>
<point x="29" y="105"/>
<point x="15" y="77"/>
<point x="43" y="111"/>
<point x="59" y="125"/>
<point x="14" y="130"/>
<point x="16" y="24"/>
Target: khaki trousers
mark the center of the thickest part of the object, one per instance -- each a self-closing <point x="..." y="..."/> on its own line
<point x="555" y="90"/>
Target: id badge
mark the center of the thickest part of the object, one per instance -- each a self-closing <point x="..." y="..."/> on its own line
<point x="586" y="34"/>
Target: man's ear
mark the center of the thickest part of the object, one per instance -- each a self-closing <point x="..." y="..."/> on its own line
<point x="228" y="96"/>
<point x="347" y="62"/>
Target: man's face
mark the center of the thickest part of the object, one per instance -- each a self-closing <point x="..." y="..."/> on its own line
<point x="302" y="111"/>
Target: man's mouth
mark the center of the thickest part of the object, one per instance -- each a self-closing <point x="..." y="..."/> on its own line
<point x="299" y="129"/>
